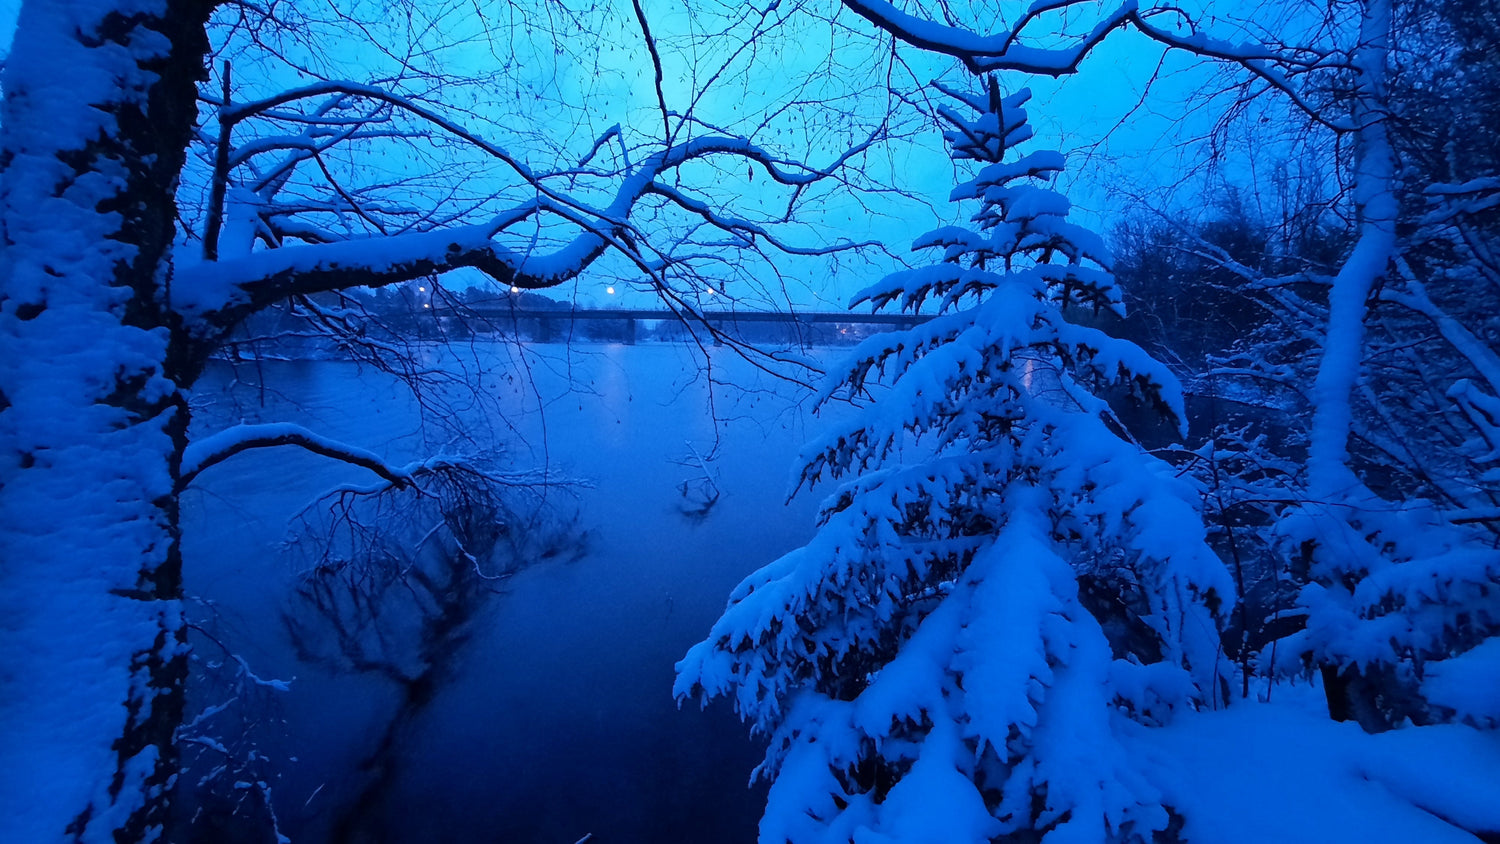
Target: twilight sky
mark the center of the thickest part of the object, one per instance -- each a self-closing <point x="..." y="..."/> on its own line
<point x="818" y="82"/>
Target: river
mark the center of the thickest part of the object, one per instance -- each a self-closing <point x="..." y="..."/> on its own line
<point x="560" y="721"/>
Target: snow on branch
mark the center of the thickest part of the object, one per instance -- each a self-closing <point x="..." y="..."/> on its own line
<point x="985" y="53"/>
<point x="216" y="448"/>
<point x="1452" y="201"/>
<point x="224" y="291"/>
<point x="982" y="53"/>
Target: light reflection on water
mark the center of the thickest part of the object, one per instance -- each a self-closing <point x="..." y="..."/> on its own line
<point x="562" y="721"/>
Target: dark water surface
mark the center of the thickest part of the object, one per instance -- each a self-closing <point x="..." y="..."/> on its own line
<point x="560" y="721"/>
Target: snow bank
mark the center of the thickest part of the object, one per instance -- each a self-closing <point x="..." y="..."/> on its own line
<point x="1261" y="773"/>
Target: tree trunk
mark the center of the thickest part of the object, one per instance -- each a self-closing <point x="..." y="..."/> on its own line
<point x="99" y="104"/>
<point x="1332" y="485"/>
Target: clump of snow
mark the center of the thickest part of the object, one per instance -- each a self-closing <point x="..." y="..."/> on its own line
<point x="1468" y="684"/>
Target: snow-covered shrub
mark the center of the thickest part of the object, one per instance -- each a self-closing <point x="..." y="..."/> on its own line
<point x="1402" y="607"/>
<point x="1004" y="587"/>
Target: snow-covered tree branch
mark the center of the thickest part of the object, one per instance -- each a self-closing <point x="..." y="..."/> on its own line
<point x="1008" y="49"/>
<point x="205" y="452"/>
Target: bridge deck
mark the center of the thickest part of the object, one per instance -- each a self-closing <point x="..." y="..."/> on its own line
<point x="799" y="317"/>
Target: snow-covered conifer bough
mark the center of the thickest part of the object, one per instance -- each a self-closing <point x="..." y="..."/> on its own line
<point x="1005" y="591"/>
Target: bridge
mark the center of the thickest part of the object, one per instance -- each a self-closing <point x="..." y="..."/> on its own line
<point x="624" y="324"/>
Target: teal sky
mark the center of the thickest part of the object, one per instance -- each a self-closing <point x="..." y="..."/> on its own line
<point x="1118" y="140"/>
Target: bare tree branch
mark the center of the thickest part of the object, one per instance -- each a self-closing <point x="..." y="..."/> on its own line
<point x="661" y="99"/>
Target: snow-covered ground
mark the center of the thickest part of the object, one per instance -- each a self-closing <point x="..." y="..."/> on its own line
<point x="1283" y="772"/>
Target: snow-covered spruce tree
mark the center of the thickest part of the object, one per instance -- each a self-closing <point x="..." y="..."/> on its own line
<point x="965" y="649"/>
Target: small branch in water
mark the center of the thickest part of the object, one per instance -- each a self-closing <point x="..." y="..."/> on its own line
<point x="701" y="493"/>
